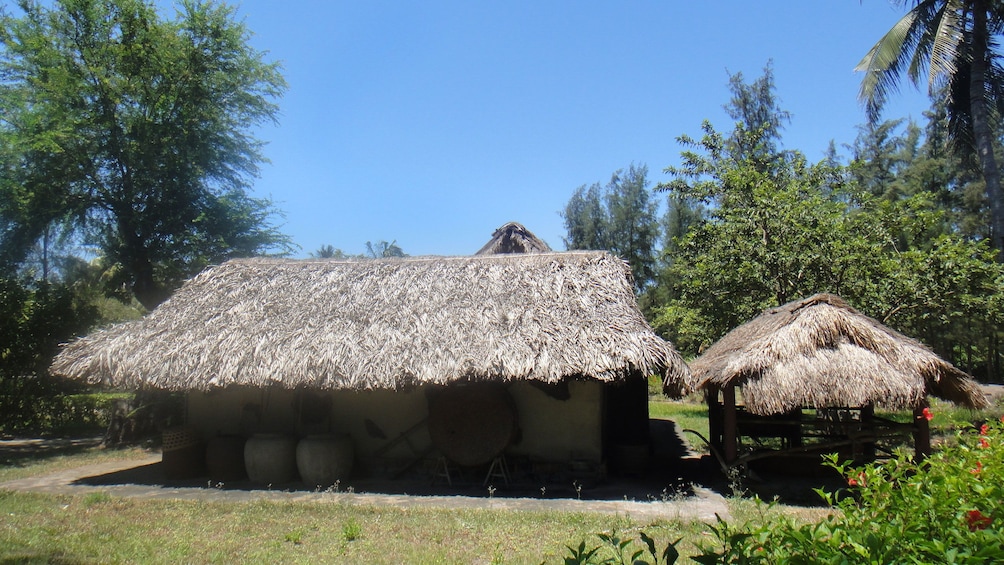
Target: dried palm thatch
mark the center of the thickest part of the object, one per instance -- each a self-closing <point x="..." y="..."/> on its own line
<point x="513" y="238"/>
<point x="385" y="323"/>
<point x="820" y="352"/>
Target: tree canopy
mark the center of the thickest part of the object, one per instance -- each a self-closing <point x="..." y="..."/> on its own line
<point x="951" y="46"/>
<point x="136" y="134"/>
<point x="751" y="225"/>
<point x="620" y="217"/>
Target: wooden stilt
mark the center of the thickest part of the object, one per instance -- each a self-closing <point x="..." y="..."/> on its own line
<point x="730" y="425"/>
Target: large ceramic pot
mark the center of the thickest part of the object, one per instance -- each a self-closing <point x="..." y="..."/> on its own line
<point x="225" y="458"/>
<point x="324" y="460"/>
<point x="270" y="459"/>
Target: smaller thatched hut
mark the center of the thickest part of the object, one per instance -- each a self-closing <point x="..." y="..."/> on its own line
<point x="513" y="238"/>
<point x="820" y="353"/>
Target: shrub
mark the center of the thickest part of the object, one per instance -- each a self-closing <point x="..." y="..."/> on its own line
<point x="32" y="410"/>
<point x="617" y="550"/>
<point x="946" y="509"/>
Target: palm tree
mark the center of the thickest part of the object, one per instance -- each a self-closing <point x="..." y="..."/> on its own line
<point x="953" y="41"/>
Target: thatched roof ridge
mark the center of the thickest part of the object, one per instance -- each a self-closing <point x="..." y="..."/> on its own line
<point x="385" y="323"/>
<point x="821" y="352"/>
<point x="513" y="237"/>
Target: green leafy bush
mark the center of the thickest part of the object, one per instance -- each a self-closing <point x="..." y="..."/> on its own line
<point x="618" y="550"/>
<point x="56" y="413"/>
<point x="946" y="509"/>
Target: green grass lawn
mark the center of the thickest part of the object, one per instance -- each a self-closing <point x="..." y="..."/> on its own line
<point x="24" y="463"/>
<point x="98" y="527"/>
<point x="689" y="414"/>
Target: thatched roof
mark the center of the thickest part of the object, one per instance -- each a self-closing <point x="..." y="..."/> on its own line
<point x="513" y="238"/>
<point x="820" y="352"/>
<point x="385" y="323"/>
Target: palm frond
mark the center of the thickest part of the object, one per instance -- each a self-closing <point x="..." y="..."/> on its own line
<point x="882" y="65"/>
<point x="947" y="46"/>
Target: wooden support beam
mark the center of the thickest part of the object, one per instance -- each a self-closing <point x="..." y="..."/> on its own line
<point x="731" y="427"/>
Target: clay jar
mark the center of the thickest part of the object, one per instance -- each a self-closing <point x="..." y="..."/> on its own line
<point x="324" y="460"/>
<point x="270" y="458"/>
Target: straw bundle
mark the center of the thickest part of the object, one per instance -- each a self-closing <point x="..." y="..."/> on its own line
<point x="387" y="323"/>
<point x="820" y="352"/>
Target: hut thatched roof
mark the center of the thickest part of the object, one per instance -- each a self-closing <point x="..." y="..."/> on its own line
<point x="513" y="238"/>
<point x="385" y="323"/>
<point x="820" y="352"/>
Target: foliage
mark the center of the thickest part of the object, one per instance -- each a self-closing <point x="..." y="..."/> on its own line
<point x="380" y="249"/>
<point x="777" y="228"/>
<point x="585" y="218"/>
<point x="759" y="120"/>
<point x="947" y="509"/>
<point x="955" y="42"/>
<point x="615" y="550"/>
<point x="733" y="546"/>
<point x="136" y="133"/>
<point x="384" y="249"/>
<point x="328" y="252"/>
<point x="895" y="159"/>
<point x="619" y="217"/>
<point x="35" y="317"/>
<point x="61" y="413"/>
<point x="351" y="530"/>
<point x="33" y="321"/>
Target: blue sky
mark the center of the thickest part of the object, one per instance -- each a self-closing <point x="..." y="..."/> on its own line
<point x="433" y="123"/>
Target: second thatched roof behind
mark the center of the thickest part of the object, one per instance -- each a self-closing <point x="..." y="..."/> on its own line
<point x="513" y="238"/>
<point x="386" y="323"/>
<point x="820" y="352"/>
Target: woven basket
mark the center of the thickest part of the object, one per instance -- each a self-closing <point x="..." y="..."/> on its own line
<point x="179" y="438"/>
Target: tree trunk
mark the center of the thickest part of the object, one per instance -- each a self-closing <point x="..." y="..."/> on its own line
<point x="982" y="132"/>
<point x="147" y="291"/>
<point x="135" y="258"/>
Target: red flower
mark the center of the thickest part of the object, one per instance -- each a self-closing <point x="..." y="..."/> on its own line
<point x="984" y="430"/>
<point x="928" y="414"/>
<point x="984" y="443"/>
<point x="977" y="521"/>
<point x="858" y="481"/>
<point x="979" y="467"/>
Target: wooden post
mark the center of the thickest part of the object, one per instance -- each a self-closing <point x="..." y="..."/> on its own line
<point x="868" y="426"/>
<point x="921" y="432"/>
<point x="714" y="418"/>
<point x="731" y="430"/>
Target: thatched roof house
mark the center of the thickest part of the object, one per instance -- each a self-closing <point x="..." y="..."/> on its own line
<point x="821" y="352"/>
<point x="513" y="238"/>
<point x="408" y="357"/>
<point x="385" y="324"/>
